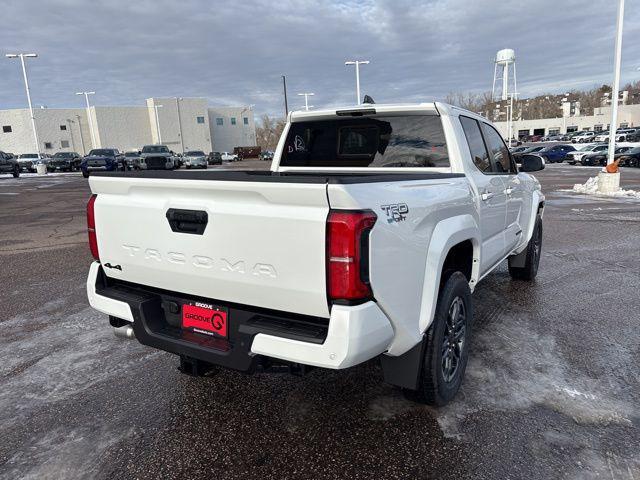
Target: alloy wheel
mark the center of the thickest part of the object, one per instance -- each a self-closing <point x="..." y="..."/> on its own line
<point x="453" y="342"/>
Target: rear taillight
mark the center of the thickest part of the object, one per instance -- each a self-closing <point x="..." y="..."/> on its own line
<point x="91" y="227"/>
<point x="347" y="254"/>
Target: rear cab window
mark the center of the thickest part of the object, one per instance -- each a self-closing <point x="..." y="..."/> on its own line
<point x="377" y="141"/>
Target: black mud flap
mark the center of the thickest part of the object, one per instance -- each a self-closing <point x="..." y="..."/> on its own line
<point x="404" y="370"/>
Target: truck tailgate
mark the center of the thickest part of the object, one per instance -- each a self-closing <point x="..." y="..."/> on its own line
<point x="263" y="244"/>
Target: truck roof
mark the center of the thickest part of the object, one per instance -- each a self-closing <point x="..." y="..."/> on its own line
<point x="427" y="108"/>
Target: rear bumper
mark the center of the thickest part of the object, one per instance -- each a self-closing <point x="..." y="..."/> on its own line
<point x="352" y="335"/>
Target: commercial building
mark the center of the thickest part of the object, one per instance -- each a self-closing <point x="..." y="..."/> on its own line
<point x="180" y="123"/>
<point x="563" y="114"/>
<point x="628" y="116"/>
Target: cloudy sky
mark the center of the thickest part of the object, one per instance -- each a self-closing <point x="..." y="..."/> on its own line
<point x="235" y="52"/>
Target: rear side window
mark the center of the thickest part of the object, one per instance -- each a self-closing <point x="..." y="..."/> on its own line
<point x="376" y="142"/>
<point x="498" y="149"/>
<point x="477" y="147"/>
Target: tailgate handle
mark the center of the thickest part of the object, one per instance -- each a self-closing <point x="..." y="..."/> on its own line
<point x="187" y="221"/>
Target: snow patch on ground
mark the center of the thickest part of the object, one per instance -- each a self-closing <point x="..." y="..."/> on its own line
<point x="50" y="355"/>
<point x="61" y="453"/>
<point x="590" y="187"/>
<point x="512" y="367"/>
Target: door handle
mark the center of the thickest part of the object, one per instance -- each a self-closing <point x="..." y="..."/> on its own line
<point x="486" y="195"/>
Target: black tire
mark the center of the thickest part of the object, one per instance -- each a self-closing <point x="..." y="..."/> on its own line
<point x="85" y="174"/>
<point x="532" y="256"/>
<point x="446" y="350"/>
<point x="16" y="172"/>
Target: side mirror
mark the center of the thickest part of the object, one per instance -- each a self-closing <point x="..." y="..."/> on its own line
<point x="531" y="163"/>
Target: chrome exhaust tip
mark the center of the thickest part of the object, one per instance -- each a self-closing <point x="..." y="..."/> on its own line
<point x="125" y="331"/>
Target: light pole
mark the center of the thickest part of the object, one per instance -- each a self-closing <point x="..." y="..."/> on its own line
<point x="306" y="99"/>
<point x="84" y="151"/>
<point x="86" y="98"/>
<point x="180" y="122"/>
<point x="357" y="63"/>
<point x="616" y="83"/>
<point x="286" y="103"/>
<point x="22" y="56"/>
<point x="155" y="109"/>
<point x="73" y="143"/>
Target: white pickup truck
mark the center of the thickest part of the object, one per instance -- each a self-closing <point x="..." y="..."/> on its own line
<point x="365" y="240"/>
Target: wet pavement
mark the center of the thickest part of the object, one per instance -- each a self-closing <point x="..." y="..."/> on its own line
<point x="552" y="387"/>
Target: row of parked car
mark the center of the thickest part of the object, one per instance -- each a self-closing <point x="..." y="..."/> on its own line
<point x="151" y="157"/>
<point x="592" y="154"/>
<point x="586" y="136"/>
<point x="110" y="159"/>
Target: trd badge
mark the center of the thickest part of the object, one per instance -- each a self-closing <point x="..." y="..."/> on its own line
<point x="396" y="212"/>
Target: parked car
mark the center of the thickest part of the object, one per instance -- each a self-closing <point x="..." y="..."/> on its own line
<point x="247" y="152"/>
<point x="323" y="268"/>
<point x="266" y="155"/>
<point x="553" y="137"/>
<point x="633" y="136"/>
<point x="65" y="162"/>
<point x="630" y="158"/>
<point x="531" y="149"/>
<point x="132" y="159"/>
<point x="556" y="153"/>
<point x="28" y="162"/>
<point x="625" y="134"/>
<point x="535" y="138"/>
<point x="574" y="157"/>
<point x="157" y="157"/>
<point x="600" y="157"/>
<point x="229" y="157"/>
<point x="102" y="160"/>
<point x="195" y="159"/>
<point x="602" y="136"/>
<point x="8" y="164"/>
<point x="214" y="158"/>
<point x="583" y="137"/>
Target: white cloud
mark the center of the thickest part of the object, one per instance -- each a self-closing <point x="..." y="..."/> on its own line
<point x="235" y="52"/>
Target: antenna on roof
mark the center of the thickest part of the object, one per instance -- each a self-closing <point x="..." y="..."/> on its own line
<point x="368" y="99"/>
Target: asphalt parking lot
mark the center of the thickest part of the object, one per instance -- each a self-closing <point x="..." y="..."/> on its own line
<point x="552" y="388"/>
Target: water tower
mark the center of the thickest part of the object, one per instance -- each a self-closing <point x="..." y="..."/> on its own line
<point x="504" y="58"/>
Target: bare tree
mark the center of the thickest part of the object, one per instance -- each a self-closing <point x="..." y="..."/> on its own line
<point x="590" y="99"/>
<point x="475" y="102"/>
<point x="634" y="92"/>
<point x="269" y="131"/>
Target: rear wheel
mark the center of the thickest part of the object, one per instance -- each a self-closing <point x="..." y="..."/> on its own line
<point x="446" y="343"/>
<point x="528" y="269"/>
